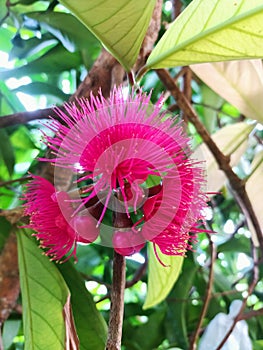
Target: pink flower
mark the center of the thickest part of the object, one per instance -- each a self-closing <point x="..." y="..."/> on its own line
<point x="51" y="215"/>
<point x="173" y="238"/>
<point x="116" y="145"/>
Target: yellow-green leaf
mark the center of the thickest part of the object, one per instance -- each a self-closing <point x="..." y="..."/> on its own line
<point x="44" y="295"/>
<point x="161" y="279"/>
<point x="232" y="141"/>
<point x="254" y="187"/>
<point x="238" y="82"/>
<point x="211" y="31"/>
<point x="120" y="25"/>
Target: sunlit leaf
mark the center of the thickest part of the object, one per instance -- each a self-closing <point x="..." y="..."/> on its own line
<point x="231" y="140"/>
<point x="44" y="295"/>
<point x="211" y="31"/>
<point x="238" y="82"/>
<point x="161" y="279"/>
<point x="254" y="187"/>
<point x="119" y="25"/>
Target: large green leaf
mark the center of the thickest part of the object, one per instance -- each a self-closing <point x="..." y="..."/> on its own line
<point x="211" y="31"/>
<point x="90" y="325"/>
<point x="232" y="141"/>
<point x="120" y="25"/>
<point x="44" y="295"/>
<point x="161" y="279"/>
<point x="238" y="82"/>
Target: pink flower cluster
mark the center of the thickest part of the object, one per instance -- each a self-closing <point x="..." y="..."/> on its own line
<point x="117" y="146"/>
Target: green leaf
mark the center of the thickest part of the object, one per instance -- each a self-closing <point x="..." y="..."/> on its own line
<point x="90" y="325"/>
<point x="238" y="82"/>
<point x="10" y="330"/>
<point x="177" y="321"/>
<point x="7" y="151"/>
<point x="10" y="97"/>
<point x="161" y="279"/>
<point x="32" y="46"/>
<point x="231" y="140"/>
<point x="154" y="328"/>
<point x="3" y="9"/>
<point x="120" y="25"/>
<point x="254" y="187"/>
<point x="66" y="28"/>
<point x="56" y="60"/>
<point x="44" y="295"/>
<point x="5" y="35"/>
<point x="5" y="228"/>
<point x="210" y="98"/>
<point x="21" y="139"/>
<point x="211" y="31"/>
<point x="39" y="88"/>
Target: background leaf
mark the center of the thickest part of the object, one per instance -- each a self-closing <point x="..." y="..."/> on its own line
<point x="90" y="325"/>
<point x="33" y="46"/>
<point x="238" y="82"/>
<point x="119" y="25"/>
<point x="210" y="98"/>
<point x="39" y="88"/>
<point x="211" y="31"/>
<point x="231" y="140"/>
<point x="66" y="28"/>
<point x="254" y="187"/>
<point x="56" y="60"/>
<point x="161" y="279"/>
<point x="44" y="295"/>
<point x="6" y="151"/>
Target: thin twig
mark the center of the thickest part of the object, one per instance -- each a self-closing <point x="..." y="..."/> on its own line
<point x="176" y="9"/>
<point x="223" y="161"/>
<point x="187" y="89"/>
<point x="137" y="276"/>
<point x="250" y="290"/>
<point x="21" y="179"/>
<point x="250" y="314"/>
<point x="208" y="294"/>
<point x="117" y="303"/>
<point x="25" y="117"/>
<point x="214" y="295"/>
